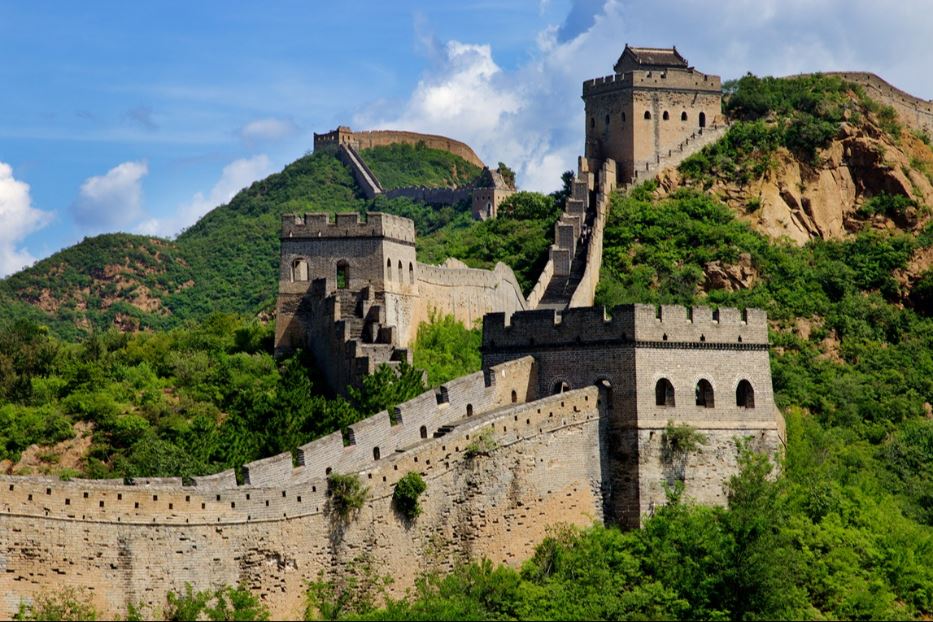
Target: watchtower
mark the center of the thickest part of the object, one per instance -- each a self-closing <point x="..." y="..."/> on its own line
<point x="651" y="105"/>
<point x="655" y="366"/>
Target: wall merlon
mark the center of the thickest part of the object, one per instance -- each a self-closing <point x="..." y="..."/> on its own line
<point x="272" y="471"/>
<point x="225" y="480"/>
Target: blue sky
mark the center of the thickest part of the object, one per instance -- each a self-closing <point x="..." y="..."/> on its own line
<point x="140" y="117"/>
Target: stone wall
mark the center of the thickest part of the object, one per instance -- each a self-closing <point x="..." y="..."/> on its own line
<point x="380" y="138"/>
<point x="915" y="112"/>
<point x="432" y="196"/>
<point x="628" y="354"/>
<point x="136" y="543"/>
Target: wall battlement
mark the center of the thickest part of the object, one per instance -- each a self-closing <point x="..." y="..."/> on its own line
<point x="343" y="135"/>
<point x="673" y="324"/>
<point x="321" y="225"/>
<point x="670" y="79"/>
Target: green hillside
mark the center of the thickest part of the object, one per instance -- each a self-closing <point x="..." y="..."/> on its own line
<point x="228" y="261"/>
<point x="401" y="165"/>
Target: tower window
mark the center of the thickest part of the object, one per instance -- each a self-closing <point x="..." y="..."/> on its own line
<point x="647" y="114"/>
<point x="607" y="119"/>
<point x="300" y="270"/>
<point x="664" y="393"/>
<point x="343" y="274"/>
<point x="623" y="117"/>
<point x="592" y="122"/>
<point x="388" y="269"/>
<point x="745" y="395"/>
<point x="704" y="394"/>
<point x="666" y="116"/>
<point x="702" y="119"/>
<point x="683" y="115"/>
<point x="411" y="273"/>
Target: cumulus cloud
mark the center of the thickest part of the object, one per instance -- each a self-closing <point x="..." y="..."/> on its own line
<point x="531" y="116"/>
<point x="234" y="177"/>
<point x="114" y="199"/>
<point x="267" y="129"/>
<point x="19" y="219"/>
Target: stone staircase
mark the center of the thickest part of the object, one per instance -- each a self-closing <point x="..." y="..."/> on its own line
<point x="692" y="144"/>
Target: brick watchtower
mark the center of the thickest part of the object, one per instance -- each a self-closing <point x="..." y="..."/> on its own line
<point x="651" y="105"/>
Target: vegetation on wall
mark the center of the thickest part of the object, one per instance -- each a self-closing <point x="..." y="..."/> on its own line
<point x="406" y="493"/>
<point x="446" y="349"/>
<point x="401" y="165"/>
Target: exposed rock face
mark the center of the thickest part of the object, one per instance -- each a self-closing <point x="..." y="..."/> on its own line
<point x="800" y="200"/>
<point x="731" y="277"/>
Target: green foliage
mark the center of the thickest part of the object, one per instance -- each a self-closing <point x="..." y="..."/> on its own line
<point x="519" y="237"/>
<point x="681" y="439"/>
<point x="354" y="592"/>
<point x="446" y="349"/>
<point x="347" y="495"/>
<point x="889" y="205"/>
<point x="405" y="496"/>
<point x="401" y="165"/>
<point x="482" y="445"/>
<point x="226" y="603"/>
<point x="386" y="388"/>
<point x="508" y="175"/>
<point x="189" y="401"/>
<point x="802" y="114"/>
<point x="68" y="604"/>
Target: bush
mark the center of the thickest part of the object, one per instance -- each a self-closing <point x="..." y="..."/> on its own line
<point x="347" y="495"/>
<point x="482" y="445"/>
<point x="68" y="604"/>
<point x="406" y="494"/>
<point x="226" y="603"/>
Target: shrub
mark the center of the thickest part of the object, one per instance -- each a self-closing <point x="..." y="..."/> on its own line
<point x="347" y="494"/>
<point x="482" y="445"/>
<point x="226" y="603"/>
<point x="889" y="205"/>
<point x="406" y="494"/>
<point x="680" y="440"/>
<point x="68" y="604"/>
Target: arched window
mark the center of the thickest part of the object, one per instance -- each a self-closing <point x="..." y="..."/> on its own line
<point x="702" y="119"/>
<point x="664" y="393"/>
<point x="683" y="115"/>
<point x="647" y="114"/>
<point x="623" y="117"/>
<point x="388" y="269"/>
<point x="607" y="120"/>
<point x="401" y="273"/>
<point x="592" y="122"/>
<point x="343" y="274"/>
<point x="560" y="387"/>
<point x="745" y="395"/>
<point x="469" y="410"/>
<point x="666" y="116"/>
<point x="375" y="453"/>
<point x="514" y="396"/>
<point x="300" y="269"/>
<point x="424" y="431"/>
<point x="704" y="394"/>
<point x="411" y="273"/>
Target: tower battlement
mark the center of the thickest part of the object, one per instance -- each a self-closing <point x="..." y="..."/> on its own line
<point x="348" y="225"/>
<point x="634" y="323"/>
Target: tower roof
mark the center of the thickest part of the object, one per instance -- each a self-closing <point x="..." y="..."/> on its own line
<point x="649" y="58"/>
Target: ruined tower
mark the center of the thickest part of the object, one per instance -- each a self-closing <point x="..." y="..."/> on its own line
<point x="648" y="108"/>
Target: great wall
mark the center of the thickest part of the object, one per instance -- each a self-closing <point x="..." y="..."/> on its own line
<point x="571" y="404"/>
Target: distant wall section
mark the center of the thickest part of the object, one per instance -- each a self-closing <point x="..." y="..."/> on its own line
<point x="343" y="135"/>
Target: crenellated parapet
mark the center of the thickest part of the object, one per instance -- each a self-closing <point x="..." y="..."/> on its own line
<point x="689" y="79"/>
<point x="348" y="225"/>
<point x="634" y="324"/>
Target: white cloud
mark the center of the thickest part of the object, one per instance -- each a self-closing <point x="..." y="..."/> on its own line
<point x="114" y="199"/>
<point x="268" y="129"/>
<point x="531" y="116"/>
<point x="18" y="219"/>
<point x="235" y="176"/>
